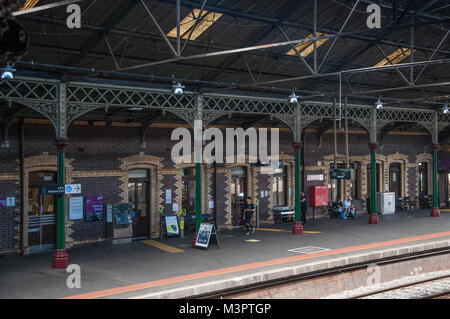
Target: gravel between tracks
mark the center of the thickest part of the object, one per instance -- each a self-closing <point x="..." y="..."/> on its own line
<point x="412" y="292"/>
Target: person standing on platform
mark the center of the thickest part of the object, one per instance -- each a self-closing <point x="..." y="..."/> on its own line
<point x="248" y="211"/>
<point x="303" y="206"/>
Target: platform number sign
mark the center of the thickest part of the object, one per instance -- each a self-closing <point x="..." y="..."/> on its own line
<point x="7" y="201"/>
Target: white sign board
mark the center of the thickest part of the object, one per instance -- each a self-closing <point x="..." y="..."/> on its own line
<point x="316" y="177"/>
<point x="168" y="196"/>
<point x="76" y="208"/>
<point x="73" y="189"/>
<point x="109" y="215"/>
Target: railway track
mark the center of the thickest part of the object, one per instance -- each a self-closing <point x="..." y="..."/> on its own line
<point x="242" y="291"/>
<point x="431" y="288"/>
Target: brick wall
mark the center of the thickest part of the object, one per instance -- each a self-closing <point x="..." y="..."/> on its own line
<point x="109" y="188"/>
<point x="9" y="218"/>
<point x="99" y="158"/>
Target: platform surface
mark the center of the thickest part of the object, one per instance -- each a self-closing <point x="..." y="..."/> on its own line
<point x="145" y="267"/>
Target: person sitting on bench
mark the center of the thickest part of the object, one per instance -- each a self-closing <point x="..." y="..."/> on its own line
<point x="349" y="209"/>
<point x="341" y="210"/>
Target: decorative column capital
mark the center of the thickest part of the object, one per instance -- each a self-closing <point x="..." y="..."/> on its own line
<point x="373" y="146"/>
<point x="297" y="146"/>
<point x="61" y="143"/>
<point x="435" y="147"/>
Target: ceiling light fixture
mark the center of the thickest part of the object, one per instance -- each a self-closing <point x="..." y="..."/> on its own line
<point x="177" y="88"/>
<point x="293" y="98"/>
<point x="7" y="72"/>
<point x="379" y="104"/>
<point x="445" y="109"/>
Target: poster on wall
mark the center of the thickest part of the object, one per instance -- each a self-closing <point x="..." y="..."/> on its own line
<point x="172" y="225"/>
<point x="7" y="201"/>
<point x="76" y="208"/>
<point x="94" y="208"/>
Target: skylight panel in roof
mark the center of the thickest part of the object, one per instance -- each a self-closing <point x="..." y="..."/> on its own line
<point x="396" y="57"/>
<point x="306" y="48"/>
<point x="29" y="4"/>
<point x="206" y="20"/>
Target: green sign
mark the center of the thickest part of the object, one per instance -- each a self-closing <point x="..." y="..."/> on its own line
<point x="340" y="174"/>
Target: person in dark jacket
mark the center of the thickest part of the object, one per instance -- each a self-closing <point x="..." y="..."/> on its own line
<point x="303" y="207"/>
<point x="249" y="210"/>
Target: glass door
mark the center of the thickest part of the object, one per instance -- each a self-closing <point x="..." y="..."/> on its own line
<point x="41" y="212"/>
<point x="138" y="194"/>
<point x="395" y="179"/>
<point x="238" y="194"/>
<point x="188" y="194"/>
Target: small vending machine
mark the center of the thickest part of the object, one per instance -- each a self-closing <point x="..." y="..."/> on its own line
<point x="119" y="223"/>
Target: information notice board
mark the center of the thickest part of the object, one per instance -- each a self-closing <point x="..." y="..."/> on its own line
<point x="172" y="227"/>
<point x="206" y="232"/>
<point x="76" y="208"/>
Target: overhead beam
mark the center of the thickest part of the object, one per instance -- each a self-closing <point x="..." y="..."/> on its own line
<point x="44" y="7"/>
<point x="113" y="19"/>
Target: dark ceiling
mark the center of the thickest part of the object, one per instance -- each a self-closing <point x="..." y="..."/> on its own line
<point x="126" y="27"/>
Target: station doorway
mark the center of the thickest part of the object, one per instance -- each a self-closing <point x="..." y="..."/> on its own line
<point x="395" y="181"/>
<point x="423" y="179"/>
<point x="238" y="194"/>
<point x="41" y="212"/>
<point x="188" y="193"/>
<point x="138" y="194"/>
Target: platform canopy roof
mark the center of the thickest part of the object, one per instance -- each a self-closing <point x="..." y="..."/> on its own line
<point x="135" y="41"/>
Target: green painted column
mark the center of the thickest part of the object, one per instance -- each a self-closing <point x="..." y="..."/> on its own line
<point x="435" y="212"/>
<point x="297" y="227"/>
<point x="373" y="216"/>
<point x="198" y="196"/>
<point x="60" y="257"/>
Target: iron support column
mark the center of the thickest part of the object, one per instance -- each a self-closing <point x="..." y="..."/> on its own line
<point x="435" y="212"/>
<point x="373" y="216"/>
<point x="297" y="228"/>
<point x="60" y="257"/>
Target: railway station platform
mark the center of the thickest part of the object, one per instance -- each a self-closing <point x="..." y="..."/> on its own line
<point x="171" y="268"/>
